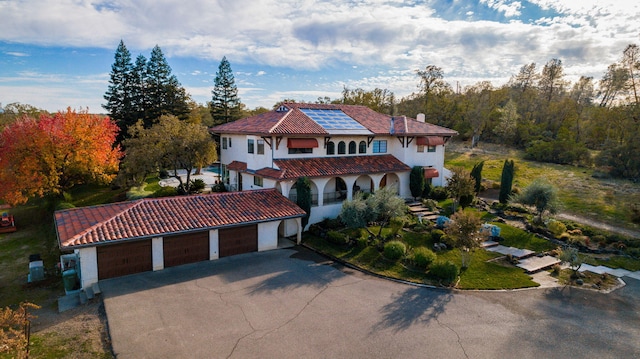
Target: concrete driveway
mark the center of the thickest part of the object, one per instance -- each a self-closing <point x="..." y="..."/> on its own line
<point x="294" y="304"/>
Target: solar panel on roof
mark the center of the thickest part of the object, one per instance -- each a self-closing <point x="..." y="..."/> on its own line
<point x="332" y="119"/>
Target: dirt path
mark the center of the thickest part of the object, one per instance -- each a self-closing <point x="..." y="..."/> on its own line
<point x="599" y="225"/>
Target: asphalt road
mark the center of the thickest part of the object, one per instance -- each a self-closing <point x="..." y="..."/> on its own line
<point x="295" y="304"/>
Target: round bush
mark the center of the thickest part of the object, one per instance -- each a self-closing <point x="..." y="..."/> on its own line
<point x="166" y="192"/>
<point x="556" y="227"/>
<point x="445" y="271"/>
<point x="337" y="237"/>
<point x="436" y="234"/>
<point x="423" y="257"/>
<point x="394" y="250"/>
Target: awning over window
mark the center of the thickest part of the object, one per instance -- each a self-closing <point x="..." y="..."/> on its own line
<point x="430" y="141"/>
<point x="431" y="172"/>
<point x="302" y="143"/>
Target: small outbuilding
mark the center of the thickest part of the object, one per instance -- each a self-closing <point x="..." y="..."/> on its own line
<point x="151" y="234"/>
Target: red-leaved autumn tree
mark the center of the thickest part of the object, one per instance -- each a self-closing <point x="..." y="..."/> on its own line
<point x="53" y="153"/>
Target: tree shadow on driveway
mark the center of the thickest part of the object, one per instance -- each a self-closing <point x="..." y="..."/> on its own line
<point x="413" y="306"/>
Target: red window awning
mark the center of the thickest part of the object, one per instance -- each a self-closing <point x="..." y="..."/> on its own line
<point x="431" y="172"/>
<point x="302" y="143"/>
<point x="430" y="141"/>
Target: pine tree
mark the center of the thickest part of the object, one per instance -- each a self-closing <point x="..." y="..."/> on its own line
<point x="138" y="84"/>
<point x="164" y="94"/>
<point x="119" y="95"/>
<point x="506" y="181"/>
<point x="225" y="104"/>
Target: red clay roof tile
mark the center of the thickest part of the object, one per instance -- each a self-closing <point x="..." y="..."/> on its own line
<point x="333" y="166"/>
<point x="160" y="216"/>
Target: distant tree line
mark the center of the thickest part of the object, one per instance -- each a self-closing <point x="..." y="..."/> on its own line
<point x="585" y="123"/>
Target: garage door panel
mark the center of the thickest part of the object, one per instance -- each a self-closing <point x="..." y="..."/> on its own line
<point x="238" y="240"/>
<point x="116" y="260"/>
<point x="186" y="248"/>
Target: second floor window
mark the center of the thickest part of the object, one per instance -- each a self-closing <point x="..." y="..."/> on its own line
<point x="257" y="181"/>
<point x="224" y="143"/>
<point x="352" y="147"/>
<point x="431" y="148"/>
<point x="342" y="148"/>
<point x="331" y="148"/>
<point x="362" y="147"/>
<point x="250" y="144"/>
<point x="260" y="147"/>
<point x="380" y="146"/>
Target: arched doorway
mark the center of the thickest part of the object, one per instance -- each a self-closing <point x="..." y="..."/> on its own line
<point x="390" y="179"/>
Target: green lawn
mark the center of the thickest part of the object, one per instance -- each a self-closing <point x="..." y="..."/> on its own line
<point x="613" y="261"/>
<point x="518" y="238"/>
<point x="606" y="200"/>
<point x="480" y="274"/>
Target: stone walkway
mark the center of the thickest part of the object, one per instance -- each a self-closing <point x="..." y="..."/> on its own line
<point x="618" y="272"/>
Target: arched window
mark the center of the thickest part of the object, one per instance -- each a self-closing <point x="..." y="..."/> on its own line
<point x="352" y="147"/>
<point x="362" y="147"/>
<point x="342" y="148"/>
<point x="331" y="148"/>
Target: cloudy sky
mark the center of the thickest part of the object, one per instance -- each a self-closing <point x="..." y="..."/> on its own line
<point x="58" y="53"/>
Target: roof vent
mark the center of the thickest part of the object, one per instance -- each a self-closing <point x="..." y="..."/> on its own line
<point x="420" y="117"/>
<point x="282" y="108"/>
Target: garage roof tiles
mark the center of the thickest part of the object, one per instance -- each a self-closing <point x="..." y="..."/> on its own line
<point x="151" y="217"/>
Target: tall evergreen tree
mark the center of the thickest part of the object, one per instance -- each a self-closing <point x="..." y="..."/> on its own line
<point x="506" y="181"/>
<point x="225" y="104"/>
<point x="139" y="84"/>
<point x="476" y="173"/>
<point x="119" y="95"/>
<point x="304" y="200"/>
<point x="416" y="181"/>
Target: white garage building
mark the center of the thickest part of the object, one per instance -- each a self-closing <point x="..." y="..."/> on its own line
<point x="151" y="234"/>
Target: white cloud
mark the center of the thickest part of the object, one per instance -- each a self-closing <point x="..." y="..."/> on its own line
<point x="587" y="35"/>
<point x="16" y="53"/>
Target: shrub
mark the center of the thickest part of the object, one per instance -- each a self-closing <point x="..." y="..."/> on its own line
<point x="556" y="269"/>
<point x="439" y="193"/>
<point x="197" y="186"/>
<point x="634" y="211"/>
<point x="219" y="187"/>
<point x="163" y="174"/>
<point x="394" y="250"/>
<point x="337" y="237"/>
<point x="447" y="271"/>
<point x="436" y="234"/>
<point x="396" y="225"/>
<point x="556" y="227"/>
<point x="165" y="192"/>
<point x="332" y="223"/>
<point x="423" y="257"/>
<point x="565" y="236"/>
<point x="448" y="240"/>
<point x="467" y="200"/>
<point x="420" y="227"/>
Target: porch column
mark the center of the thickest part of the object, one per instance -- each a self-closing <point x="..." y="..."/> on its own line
<point x="299" y="232"/>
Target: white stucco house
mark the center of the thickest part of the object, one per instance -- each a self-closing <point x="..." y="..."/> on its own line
<point x="340" y="148"/>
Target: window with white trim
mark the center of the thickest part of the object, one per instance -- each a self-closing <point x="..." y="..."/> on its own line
<point x="380" y="146"/>
<point x="260" y="144"/>
<point x="250" y="146"/>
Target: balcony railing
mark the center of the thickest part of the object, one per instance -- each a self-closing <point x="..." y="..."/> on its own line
<point x="314" y="198"/>
<point x="334" y="197"/>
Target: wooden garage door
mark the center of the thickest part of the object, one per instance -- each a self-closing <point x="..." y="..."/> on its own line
<point x="186" y="248"/>
<point x="238" y="240"/>
<point x="115" y="260"/>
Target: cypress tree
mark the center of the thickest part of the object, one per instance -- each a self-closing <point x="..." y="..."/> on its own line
<point x="476" y="173"/>
<point x="225" y="104"/>
<point x="506" y="181"/>
<point x="164" y="93"/>
<point x="303" y="187"/>
<point x="416" y="181"/>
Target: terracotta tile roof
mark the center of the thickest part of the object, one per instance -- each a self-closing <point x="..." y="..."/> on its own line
<point x="295" y="122"/>
<point x="160" y="216"/>
<point x="333" y="166"/>
<point x="237" y="166"/>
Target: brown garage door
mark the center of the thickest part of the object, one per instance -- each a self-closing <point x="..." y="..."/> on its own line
<point x="186" y="248"/>
<point x="115" y="260"/>
<point x="238" y="240"/>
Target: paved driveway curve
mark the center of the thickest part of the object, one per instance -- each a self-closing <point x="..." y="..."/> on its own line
<point x="294" y="304"/>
